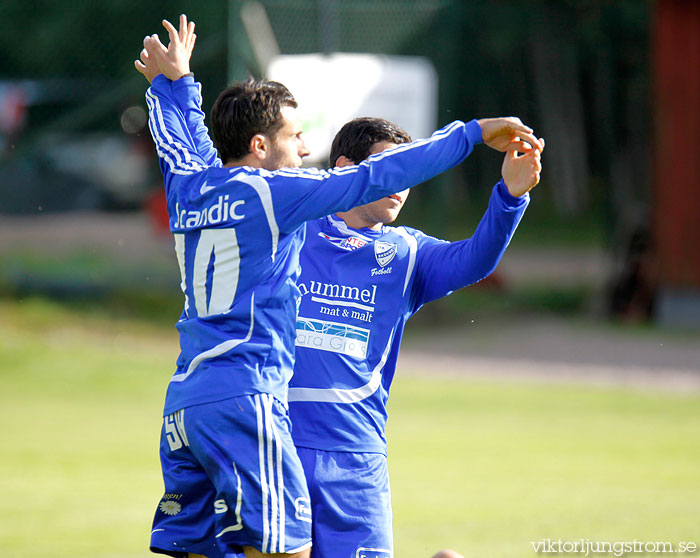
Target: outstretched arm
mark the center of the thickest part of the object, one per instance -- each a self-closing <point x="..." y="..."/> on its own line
<point x="393" y="170"/>
<point x="320" y="193"/>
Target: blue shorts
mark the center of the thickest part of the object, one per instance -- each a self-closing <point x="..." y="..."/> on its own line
<point x="350" y="503"/>
<point x="232" y="479"/>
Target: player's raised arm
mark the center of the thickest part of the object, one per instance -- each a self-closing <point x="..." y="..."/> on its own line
<point x="403" y="167"/>
<point x="178" y="150"/>
<point x="446" y="266"/>
<point x="175" y="61"/>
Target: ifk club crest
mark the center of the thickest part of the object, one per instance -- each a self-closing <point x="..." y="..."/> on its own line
<point x="384" y="252"/>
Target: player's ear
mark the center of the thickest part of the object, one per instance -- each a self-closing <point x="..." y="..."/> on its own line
<point x="259" y="147"/>
<point x="343" y="161"/>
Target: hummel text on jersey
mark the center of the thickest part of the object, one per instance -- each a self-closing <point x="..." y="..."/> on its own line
<point x="220" y="212"/>
<point x="344" y="292"/>
<point x="362" y="316"/>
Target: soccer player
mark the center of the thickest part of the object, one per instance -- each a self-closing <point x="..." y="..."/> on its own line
<point x="232" y="476"/>
<point x="360" y="281"/>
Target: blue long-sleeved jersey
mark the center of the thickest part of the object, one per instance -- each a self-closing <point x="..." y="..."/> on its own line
<point x="358" y="289"/>
<point x="238" y="232"/>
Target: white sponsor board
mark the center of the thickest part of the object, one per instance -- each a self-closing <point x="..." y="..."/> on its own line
<point x="332" y="89"/>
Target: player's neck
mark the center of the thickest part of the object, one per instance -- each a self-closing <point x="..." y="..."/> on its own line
<point x="249" y="160"/>
<point x="355" y="221"/>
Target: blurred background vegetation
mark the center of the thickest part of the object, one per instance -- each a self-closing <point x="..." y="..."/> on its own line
<point x="578" y="71"/>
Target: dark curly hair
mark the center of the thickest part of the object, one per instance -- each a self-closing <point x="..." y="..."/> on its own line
<point x="245" y="109"/>
<point x="356" y="138"/>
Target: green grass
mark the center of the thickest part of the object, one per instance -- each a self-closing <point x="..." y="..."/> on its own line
<point x="488" y="468"/>
<point x="80" y="401"/>
<point x="481" y="467"/>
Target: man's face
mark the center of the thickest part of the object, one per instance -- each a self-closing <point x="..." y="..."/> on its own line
<point x="383" y="211"/>
<point x="287" y="147"/>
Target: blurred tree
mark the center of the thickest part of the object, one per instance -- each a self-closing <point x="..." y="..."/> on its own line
<point x="94" y="39"/>
<point x="91" y="48"/>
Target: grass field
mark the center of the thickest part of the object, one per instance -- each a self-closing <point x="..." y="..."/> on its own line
<point x="481" y="467"/>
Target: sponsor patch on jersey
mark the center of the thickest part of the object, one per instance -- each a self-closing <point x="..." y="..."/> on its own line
<point x="347" y="243"/>
<point x="333" y="337"/>
<point x="169" y="507"/>
<point x="373" y="553"/>
<point x="384" y="252"/>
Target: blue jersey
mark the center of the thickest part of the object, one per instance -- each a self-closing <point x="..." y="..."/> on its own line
<point x="238" y="232"/>
<point x="358" y="288"/>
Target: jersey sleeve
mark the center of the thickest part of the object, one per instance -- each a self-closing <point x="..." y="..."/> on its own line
<point x="442" y="266"/>
<point x="187" y="95"/>
<point x="317" y="193"/>
<point x="175" y="146"/>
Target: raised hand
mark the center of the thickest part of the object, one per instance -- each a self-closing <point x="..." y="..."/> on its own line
<point x="502" y="134"/>
<point x="173" y="61"/>
<point x="521" y="173"/>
